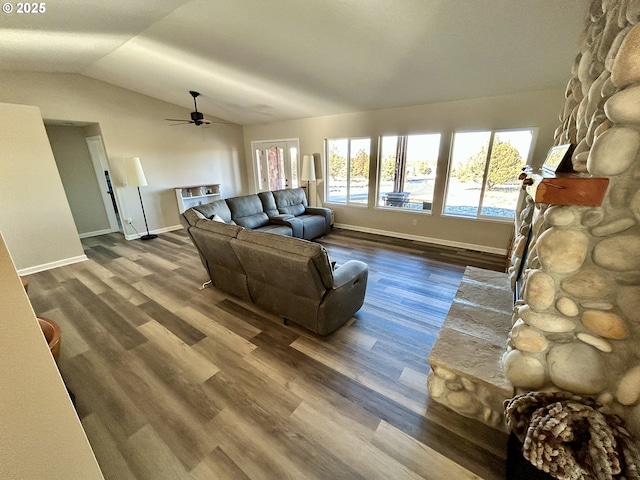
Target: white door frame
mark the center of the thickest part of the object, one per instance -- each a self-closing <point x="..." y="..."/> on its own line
<point x="100" y="165"/>
<point x="287" y="145"/>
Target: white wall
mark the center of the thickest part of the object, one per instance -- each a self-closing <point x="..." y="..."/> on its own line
<point x="41" y="434"/>
<point x="34" y="214"/>
<point x="535" y="109"/>
<point x="133" y="125"/>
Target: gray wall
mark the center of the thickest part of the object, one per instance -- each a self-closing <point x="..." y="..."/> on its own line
<point x="78" y="177"/>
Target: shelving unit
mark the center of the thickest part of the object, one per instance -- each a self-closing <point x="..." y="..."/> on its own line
<point x="192" y="196"/>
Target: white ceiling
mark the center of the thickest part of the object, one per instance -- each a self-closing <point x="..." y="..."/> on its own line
<point x="257" y="61"/>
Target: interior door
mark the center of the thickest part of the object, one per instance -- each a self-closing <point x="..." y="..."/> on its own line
<point x="276" y="164"/>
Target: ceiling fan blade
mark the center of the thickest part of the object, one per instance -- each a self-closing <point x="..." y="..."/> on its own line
<point x="177" y="120"/>
<point x="181" y="123"/>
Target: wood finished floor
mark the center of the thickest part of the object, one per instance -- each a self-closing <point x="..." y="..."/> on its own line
<point x="173" y="382"/>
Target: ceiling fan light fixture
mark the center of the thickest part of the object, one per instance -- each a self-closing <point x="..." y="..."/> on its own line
<point x="197" y="118"/>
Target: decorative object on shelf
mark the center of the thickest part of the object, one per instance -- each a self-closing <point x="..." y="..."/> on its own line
<point x="559" y="160"/>
<point x="308" y="173"/>
<point x="564" y="188"/>
<point x="135" y="178"/>
<point x="559" y="184"/>
<point x="192" y="196"/>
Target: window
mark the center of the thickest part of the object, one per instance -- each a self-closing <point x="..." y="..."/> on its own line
<point x="483" y="173"/>
<point x="408" y="171"/>
<point x="348" y="170"/>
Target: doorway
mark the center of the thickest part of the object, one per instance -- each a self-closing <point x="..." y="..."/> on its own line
<point x="101" y="168"/>
<point x="82" y="163"/>
<point x="276" y="164"/>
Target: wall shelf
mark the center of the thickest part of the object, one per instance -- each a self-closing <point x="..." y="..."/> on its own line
<point x="195" y="195"/>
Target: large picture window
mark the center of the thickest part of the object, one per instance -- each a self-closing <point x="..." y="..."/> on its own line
<point x="483" y="173"/>
<point x="408" y="171"/>
<point x="348" y="170"/>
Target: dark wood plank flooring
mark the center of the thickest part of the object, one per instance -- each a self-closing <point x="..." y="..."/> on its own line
<point x="174" y="382"/>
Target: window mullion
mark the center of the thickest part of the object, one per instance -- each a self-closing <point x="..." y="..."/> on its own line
<point x="487" y="161"/>
<point x="348" y="172"/>
<point x="401" y="164"/>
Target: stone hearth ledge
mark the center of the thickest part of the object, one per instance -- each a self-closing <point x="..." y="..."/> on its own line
<point x="466" y="370"/>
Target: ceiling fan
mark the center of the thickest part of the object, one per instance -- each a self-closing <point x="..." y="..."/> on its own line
<point x="197" y="118"/>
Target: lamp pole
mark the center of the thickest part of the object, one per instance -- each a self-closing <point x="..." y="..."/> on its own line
<point x="148" y="236"/>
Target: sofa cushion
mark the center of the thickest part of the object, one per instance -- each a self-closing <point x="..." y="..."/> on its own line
<point x="287" y="246"/>
<point x="292" y="201"/>
<point x="284" y="230"/>
<point x="247" y="211"/>
<point x="213" y="242"/>
<point x="268" y="204"/>
<point x="220" y="228"/>
<point x="313" y="226"/>
<point x="218" y="207"/>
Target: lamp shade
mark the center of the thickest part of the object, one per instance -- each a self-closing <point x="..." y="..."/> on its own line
<point x="308" y="173"/>
<point x="134" y="173"/>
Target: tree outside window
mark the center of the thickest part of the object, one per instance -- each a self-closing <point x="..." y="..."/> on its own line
<point x="348" y="170"/>
<point x="483" y="173"/>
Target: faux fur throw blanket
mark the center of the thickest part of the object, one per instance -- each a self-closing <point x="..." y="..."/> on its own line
<point x="571" y="438"/>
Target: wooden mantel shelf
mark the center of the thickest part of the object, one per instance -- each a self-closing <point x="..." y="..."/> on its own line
<point x="565" y="188"/>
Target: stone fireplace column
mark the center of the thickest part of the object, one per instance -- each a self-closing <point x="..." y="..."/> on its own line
<point x="578" y="327"/>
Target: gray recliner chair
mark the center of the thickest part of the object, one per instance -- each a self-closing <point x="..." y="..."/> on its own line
<point x="294" y="279"/>
<point x="316" y="221"/>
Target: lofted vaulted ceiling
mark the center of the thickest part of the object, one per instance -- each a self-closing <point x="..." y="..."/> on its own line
<point x="258" y="61"/>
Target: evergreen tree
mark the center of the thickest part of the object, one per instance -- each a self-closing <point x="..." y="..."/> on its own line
<point x="337" y="164"/>
<point x="505" y="165"/>
<point x="360" y="165"/>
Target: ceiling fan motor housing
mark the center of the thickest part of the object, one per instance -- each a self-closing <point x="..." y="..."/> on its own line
<point x="197" y="116"/>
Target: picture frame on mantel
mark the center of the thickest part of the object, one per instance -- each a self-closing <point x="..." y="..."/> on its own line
<point x="559" y="160"/>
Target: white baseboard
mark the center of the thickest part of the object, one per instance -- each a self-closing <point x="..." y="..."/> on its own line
<point x="96" y="233"/>
<point x="49" y="266"/>
<point x="416" y="238"/>
<point x="135" y="236"/>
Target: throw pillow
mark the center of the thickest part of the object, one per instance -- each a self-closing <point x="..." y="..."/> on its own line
<point x="217" y="218"/>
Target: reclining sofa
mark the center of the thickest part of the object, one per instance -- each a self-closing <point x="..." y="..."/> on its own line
<point x="285" y="212"/>
<point x="290" y="277"/>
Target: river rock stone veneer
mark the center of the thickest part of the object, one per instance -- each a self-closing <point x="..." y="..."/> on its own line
<point x="577" y="328"/>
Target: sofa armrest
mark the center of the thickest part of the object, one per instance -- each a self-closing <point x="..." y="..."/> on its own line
<point x="345" y="298"/>
<point x="289" y="220"/>
<point x="323" y="212"/>
<point x="351" y="271"/>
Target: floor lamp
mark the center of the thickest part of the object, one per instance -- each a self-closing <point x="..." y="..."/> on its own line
<point x="136" y="178"/>
<point x="308" y="173"/>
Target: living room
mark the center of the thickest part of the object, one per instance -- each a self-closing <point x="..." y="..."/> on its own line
<point x="132" y="124"/>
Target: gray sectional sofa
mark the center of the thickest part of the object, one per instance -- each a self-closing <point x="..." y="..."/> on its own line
<point x="285" y="212"/>
<point x="290" y="277"/>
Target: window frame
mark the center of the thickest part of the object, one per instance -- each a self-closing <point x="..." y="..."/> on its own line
<point x="403" y="163"/>
<point x="479" y="216"/>
<point x="327" y="157"/>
